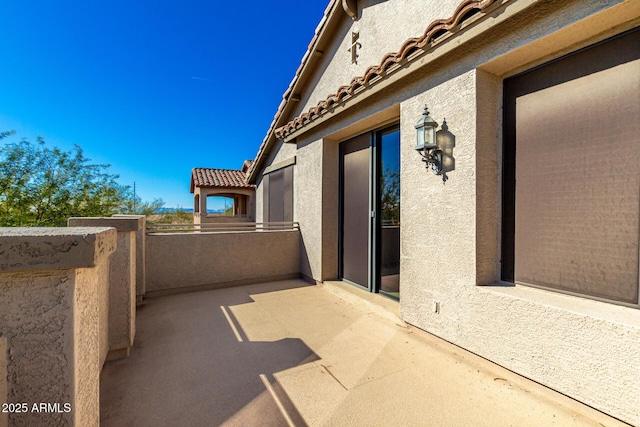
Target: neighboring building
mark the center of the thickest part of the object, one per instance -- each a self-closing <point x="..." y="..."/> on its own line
<point x="525" y="249"/>
<point x="224" y="183"/>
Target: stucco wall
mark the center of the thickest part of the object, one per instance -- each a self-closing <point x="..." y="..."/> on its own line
<point x="450" y="241"/>
<point x="39" y="331"/>
<point x="307" y="201"/>
<point x="50" y="321"/>
<point x="91" y="343"/>
<point x="122" y="294"/>
<point x="210" y="260"/>
<point x="586" y="349"/>
<point x="100" y="275"/>
<point x="330" y="205"/>
<point x="122" y="280"/>
<point x="281" y="153"/>
<point x="140" y="255"/>
<point x="383" y="27"/>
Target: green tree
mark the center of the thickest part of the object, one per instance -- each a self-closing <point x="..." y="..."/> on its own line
<point x="134" y="205"/>
<point x="42" y="186"/>
<point x="177" y="216"/>
<point x="390" y="195"/>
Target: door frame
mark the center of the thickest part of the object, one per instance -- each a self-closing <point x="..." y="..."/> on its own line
<point x="376" y="269"/>
<point x="341" y="150"/>
<point x="374" y="220"/>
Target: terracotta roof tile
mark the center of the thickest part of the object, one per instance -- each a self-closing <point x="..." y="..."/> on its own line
<point x="207" y="177"/>
<point x="246" y="166"/>
<point x="437" y="28"/>
<point x="466" y="9"/>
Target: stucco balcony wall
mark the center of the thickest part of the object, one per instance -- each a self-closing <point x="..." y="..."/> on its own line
<point x="52" y="336"/>
<point x="141" y="287"/>
<point x="191" y="261"/>
<point x="122" y="281"/>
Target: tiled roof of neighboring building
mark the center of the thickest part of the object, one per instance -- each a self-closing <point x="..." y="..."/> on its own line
<point x="208" y="177"/>
<point x="437" y="28"/>
<point x="246" y="166"/>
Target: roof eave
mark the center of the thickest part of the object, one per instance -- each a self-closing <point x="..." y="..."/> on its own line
<point x="459" y="31"/>
<point x="226" y="187"/>
<point x="332" y="15"/>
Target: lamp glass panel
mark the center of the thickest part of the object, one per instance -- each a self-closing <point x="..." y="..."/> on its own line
<point x="420" y="138"/>
<point x="429" y="137"/>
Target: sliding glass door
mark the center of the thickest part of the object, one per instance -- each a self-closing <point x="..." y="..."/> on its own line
<point x="370" y="211"/>
<point x="355" y="162"/>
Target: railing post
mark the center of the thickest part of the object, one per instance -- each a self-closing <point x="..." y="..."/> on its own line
<point x="122" y="282"/>
<point x="141" y="247"/>
<point x="50" y="286"/>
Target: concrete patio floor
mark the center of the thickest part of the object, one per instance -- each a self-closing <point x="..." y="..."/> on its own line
<point x="290" y="353"/>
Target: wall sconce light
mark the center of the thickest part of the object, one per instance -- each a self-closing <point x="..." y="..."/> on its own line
<point x="426" y="143"/>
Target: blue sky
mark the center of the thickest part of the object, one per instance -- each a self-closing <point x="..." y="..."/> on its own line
<point x="153" y="88"/>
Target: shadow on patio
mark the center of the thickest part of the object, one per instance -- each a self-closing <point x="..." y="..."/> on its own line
<point x="288" y="353"/>
<point x="193" y="363"/>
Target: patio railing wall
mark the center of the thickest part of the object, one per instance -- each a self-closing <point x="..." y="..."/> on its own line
<point x="182" y="257"/>
<point x="68" y="297"/>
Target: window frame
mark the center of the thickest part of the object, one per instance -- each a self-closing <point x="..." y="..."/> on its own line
<point x="285" y="196"/>
<point x="529" y="81"/>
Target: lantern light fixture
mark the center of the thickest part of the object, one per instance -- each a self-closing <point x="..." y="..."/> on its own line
<point x="426" y="143"/>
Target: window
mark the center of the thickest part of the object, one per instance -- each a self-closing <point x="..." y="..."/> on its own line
<point x="220" y="205"/>
<point x="571" y="183"/>
<point x="278" y="195"/>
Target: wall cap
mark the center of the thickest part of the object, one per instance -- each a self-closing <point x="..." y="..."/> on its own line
<point x="124" y="223"/>
<point x="54" y="248"/>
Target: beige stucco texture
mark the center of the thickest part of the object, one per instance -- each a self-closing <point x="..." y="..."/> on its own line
<point x="450" y="235"/>
<point x="315" y="196"/>
<point x="141" y="235"/>
<point x="122" y="281"/>
<point x="382" y="27"/>
<point x="308" y="201"/>
<point x="588" y="349"/>
<point x="38" y="248"/>
<point x="50" y="322"/>
<point x="179" y="262"/>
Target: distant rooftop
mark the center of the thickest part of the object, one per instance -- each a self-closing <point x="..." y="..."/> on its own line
<point x="209" y="177"/>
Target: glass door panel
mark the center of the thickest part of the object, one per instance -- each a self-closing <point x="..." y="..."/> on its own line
<point x="389" y="208"/>
<point x="355" y="196"/>
<point x="370" y="211"/>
